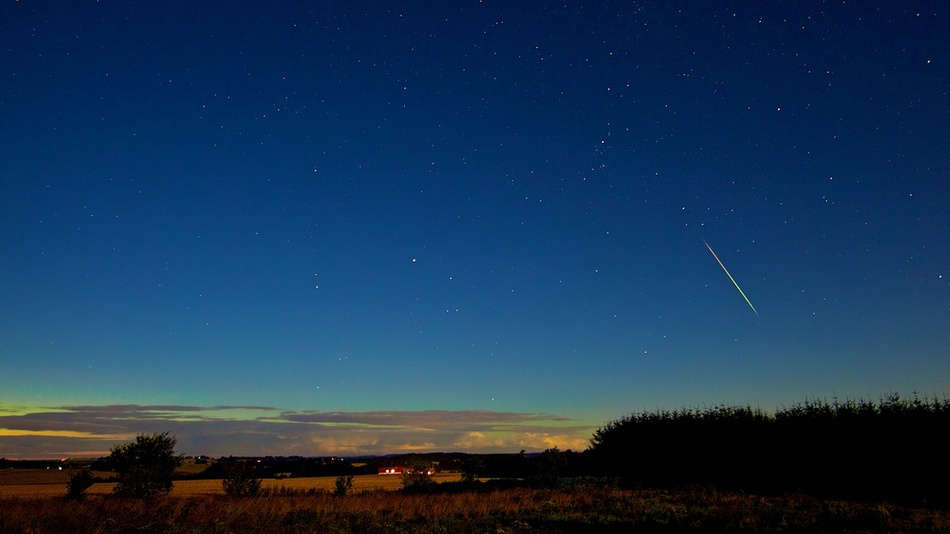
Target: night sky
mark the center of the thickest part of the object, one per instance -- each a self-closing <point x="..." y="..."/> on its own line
<point x="324" y="228"/>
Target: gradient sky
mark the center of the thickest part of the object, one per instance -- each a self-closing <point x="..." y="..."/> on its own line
<point x="369" y="227"/>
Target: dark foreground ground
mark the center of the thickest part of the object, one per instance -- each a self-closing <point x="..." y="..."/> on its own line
<point x="580" y="508"/>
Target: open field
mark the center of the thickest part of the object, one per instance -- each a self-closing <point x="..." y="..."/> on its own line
<point x="591" y="508"/>
<point x="31" y="500"/>
<point x="52" y="483"/>
<point x="783" y="484"/>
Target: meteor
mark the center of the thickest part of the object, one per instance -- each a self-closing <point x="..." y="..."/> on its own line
<point x="730" y="277"/>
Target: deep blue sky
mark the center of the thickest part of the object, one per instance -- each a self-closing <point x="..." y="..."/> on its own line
<point x="349" y="227"/>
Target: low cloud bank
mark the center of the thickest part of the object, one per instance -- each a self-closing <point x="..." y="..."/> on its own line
<point x="69" y="431"/>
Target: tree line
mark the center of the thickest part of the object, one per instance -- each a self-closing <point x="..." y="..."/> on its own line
<point x="890" y="449"/>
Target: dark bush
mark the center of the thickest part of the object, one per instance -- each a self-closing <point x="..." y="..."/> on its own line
<point x="79" y="482"/>
<point x="239" y="480"/>
<point x="144" y="467"/>
<point x="417" y="481"/>
<point x="342" y="485"/>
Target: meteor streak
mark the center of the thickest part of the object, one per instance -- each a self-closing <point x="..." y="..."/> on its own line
<point x="731" y="278"/>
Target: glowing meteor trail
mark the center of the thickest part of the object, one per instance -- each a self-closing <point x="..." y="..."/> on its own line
<point x="731" y="278"/>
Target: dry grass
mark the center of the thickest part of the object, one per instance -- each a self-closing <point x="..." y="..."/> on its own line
<point x="43" y="482"/>
<point x="32" y="483"/>
<point x="32" y="476"/>
<point x="582" y="509"/>
<point x="200" y="506"/>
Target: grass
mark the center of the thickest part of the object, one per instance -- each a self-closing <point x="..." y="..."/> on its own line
<point x="10" y="479"/>
<point x="38" y="483"/>
<point x="515" y="510"/>
<point x="853" y="466"/>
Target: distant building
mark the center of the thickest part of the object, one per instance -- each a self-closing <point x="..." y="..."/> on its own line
<point x="392" y="470"/>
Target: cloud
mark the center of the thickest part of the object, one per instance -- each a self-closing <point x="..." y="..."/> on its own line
<point x="530" y="441"/>
<point x="434" y="419"/>
<point x="6" y="432"/>
<point x="263" y="430"/>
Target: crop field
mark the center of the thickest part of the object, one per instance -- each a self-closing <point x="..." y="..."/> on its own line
<point x="52" y="483"/>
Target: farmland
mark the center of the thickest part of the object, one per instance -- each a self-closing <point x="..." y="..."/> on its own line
<point x="754" y="472"/>
<point x="303" y="505"/>
<point x="52" y="483"/>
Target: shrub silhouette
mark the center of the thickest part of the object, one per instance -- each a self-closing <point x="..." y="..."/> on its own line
<point x="239" y="480"/>
<point x="473" y="468"/>
<point x="79" y="482"/>
<point x="417" y="480"/>
<point x="144" y="467"/>
<point x="342" y="485"/>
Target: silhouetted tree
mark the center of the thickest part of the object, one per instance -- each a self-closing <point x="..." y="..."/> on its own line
<point x="551" y="465"/>
<point x="239" y="480"/>
<point x="144" y="467"/>
<point x="851" y="448"/>
<point x="473" y="468"/>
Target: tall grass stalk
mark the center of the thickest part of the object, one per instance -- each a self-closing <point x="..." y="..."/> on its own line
<point x="510" y="510"/>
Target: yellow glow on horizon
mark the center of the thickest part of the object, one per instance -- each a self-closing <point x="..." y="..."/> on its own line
<point x="16" y="432"/>
<point x="409" y="447"/>
<point x="14" y="411"/>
